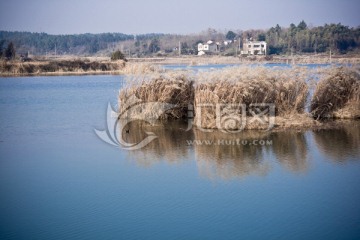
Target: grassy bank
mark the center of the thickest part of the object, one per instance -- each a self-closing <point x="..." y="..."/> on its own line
<point x="59" y="67"/>
<point x="221" y="98"/>
<point x="215" y="59"/>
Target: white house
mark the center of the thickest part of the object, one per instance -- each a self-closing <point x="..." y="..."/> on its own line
<point x="227" y="42"/>
<point x="254" y="48"/>
<point x="209" y="47"/>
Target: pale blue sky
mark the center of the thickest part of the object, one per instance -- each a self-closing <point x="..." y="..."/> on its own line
<point x="169" y="16"/>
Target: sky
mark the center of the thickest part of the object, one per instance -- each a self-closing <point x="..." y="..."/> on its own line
<point x="170" y="16"/>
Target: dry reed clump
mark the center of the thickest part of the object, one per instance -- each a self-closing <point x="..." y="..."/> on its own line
<point x="170" y="91"/>
<point x="337" y="95"/>
<point x="141" y="68"/>
<point x="286" y="89"/>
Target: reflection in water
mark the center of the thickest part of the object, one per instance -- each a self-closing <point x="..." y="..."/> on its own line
<point x="226" y="156"/>
<point x="230" y="155"/>
<point x="340" y="144"/>
<point x="168" y="146"/>
<point x="291" y="150"/>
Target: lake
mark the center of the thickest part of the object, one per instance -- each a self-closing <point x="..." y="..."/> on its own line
<point x="58" y="180"/>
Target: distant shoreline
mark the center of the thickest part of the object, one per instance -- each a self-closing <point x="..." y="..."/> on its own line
<point x="55" y="67"/>
<point x="53" y="74"/>
<point x="214" y="59"/>
<point x="67" y="66"/>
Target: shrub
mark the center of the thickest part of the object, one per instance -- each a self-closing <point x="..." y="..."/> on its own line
<point x="118" y="55"/>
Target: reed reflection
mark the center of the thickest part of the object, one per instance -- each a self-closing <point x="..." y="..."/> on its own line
<point x="169" y="145"/>
<point x="291" y="150"/>
<point x="340" y="144"/>
<point x="228" y="156"/>
<point x="217" y="154"/>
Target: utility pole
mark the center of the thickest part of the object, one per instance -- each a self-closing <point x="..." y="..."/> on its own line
<point x="179" y="48"/>
<point x="330" y="55"/>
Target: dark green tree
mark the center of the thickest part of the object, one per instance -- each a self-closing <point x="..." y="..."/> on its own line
<point x="184" y="48"/>
<point x="292" y="29"/>
<point x="1" y="47"/>
<point x="261" y="37"/>
<point x="118" y="55"/>
<point x="10" y="51"/>
<point x="278" y="29"/>
<point x="230" y="35"/>
<point x="302" y="25"/>
<point x="94" y="46"/>
<point x="154" y="45"/>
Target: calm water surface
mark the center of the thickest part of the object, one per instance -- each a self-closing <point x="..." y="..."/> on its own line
<point x="58" y="180"/>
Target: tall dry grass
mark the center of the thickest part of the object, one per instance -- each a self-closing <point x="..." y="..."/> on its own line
<point x="337" y="94"/>
<point x="168" y="88"/>
<point x="286" y="89"/>
<point x="141" y="68"/>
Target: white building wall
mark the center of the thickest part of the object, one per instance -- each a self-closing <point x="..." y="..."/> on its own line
<point x="254" y="48"/>
<point x="207" y="47"/>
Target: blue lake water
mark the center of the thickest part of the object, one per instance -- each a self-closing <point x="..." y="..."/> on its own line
<point x="58" y="180"/>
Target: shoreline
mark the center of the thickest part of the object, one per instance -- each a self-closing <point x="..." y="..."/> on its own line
<point x="59" y="67"/>
<point x="54" y="74"/>
<point x="281" y="125"/>
<point x="53" y="67"/>
<point x="272" y="59"/>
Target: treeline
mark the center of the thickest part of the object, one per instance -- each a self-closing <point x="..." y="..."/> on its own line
<point x="42" y="43"/>
<point x="302" y="39"/>
<point x="299" y="38"/>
